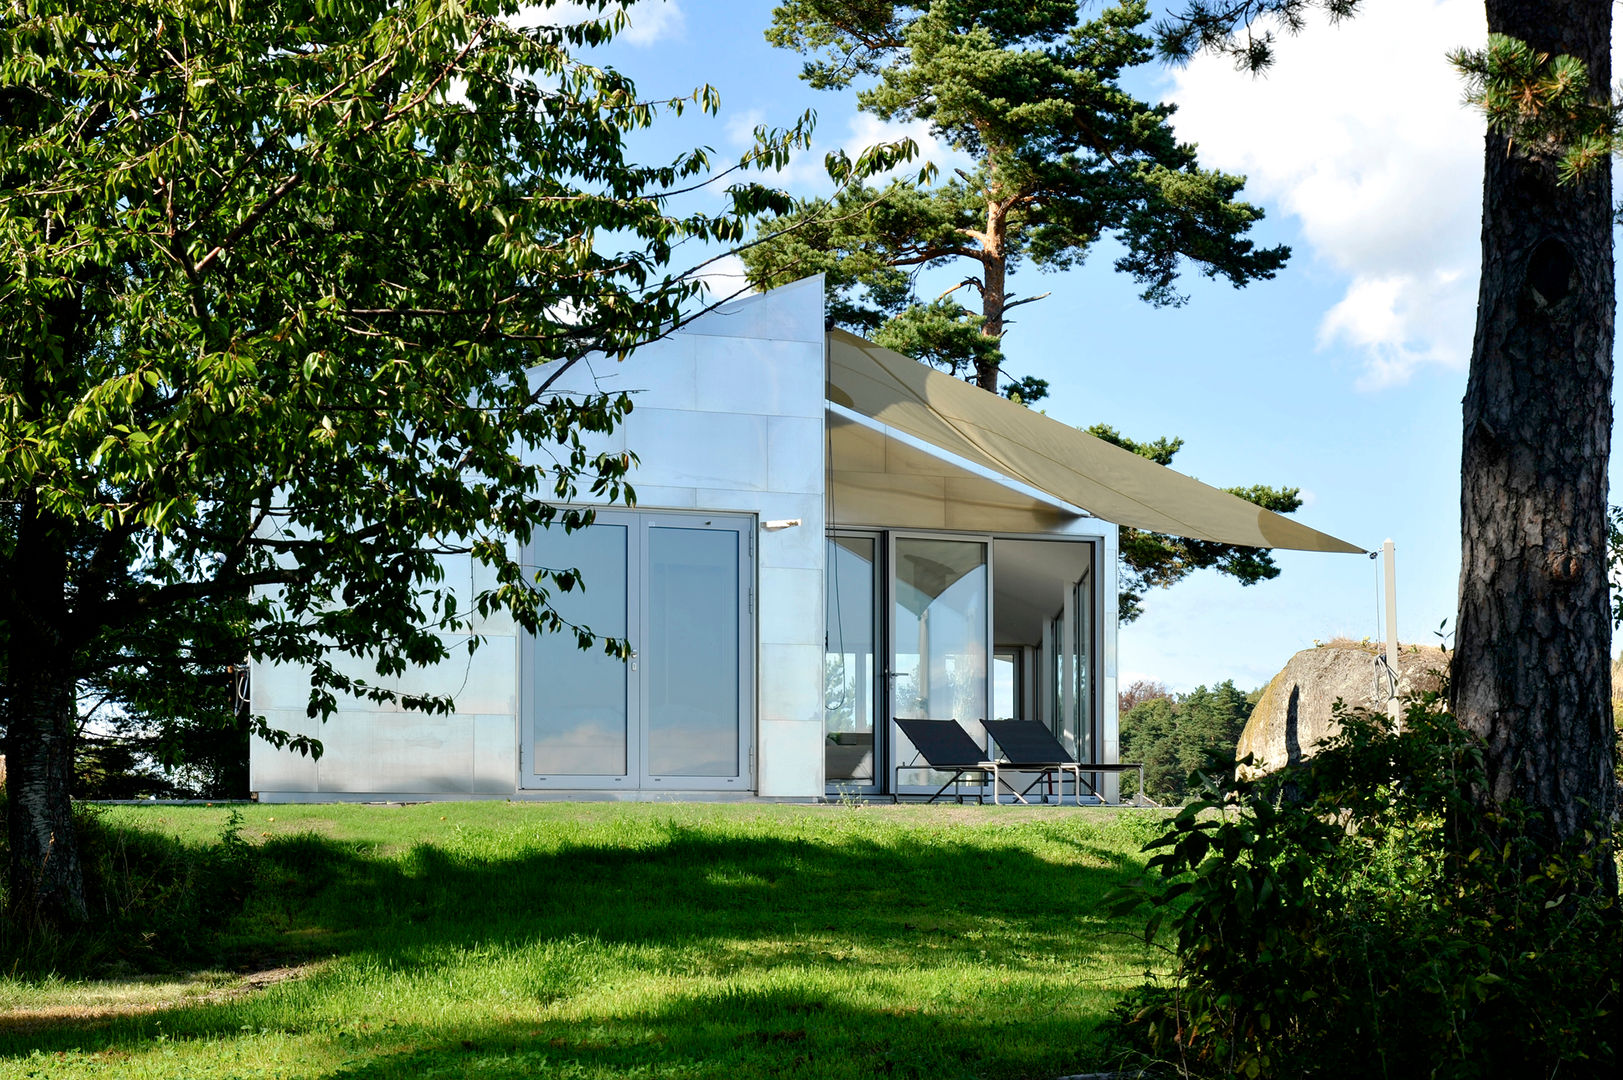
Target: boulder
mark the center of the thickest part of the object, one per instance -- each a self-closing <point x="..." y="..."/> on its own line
<point x="1297" y="710"/>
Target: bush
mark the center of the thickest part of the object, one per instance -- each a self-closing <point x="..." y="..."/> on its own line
<point x="1364" y="917"/>
<point x="154" y="902"/>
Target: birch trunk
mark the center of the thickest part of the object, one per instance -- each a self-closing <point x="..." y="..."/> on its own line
<point x="46" y="882"/>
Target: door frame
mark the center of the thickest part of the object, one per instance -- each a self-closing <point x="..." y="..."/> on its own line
<point x="637" y="779"/>
<point x="879" y="706"/>
<point x="892" y="733"/>
<point x="744" y="528"/>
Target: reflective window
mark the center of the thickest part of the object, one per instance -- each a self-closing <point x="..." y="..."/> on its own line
<point x="849" y="660"/>
<point x="580" y="695"/>
<point x="692" y="652"/>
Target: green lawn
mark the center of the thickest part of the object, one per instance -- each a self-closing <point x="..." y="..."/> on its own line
<point x="605" y="940"/>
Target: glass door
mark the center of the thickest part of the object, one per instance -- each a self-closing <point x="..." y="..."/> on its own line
<point x="1067" y="650"/>
<point x="697" y="602"/>
<point x="851" y="661"/>
<point x="940" y="637"/>
<point x="678" y="714"/>
<point x="581" y="712"/>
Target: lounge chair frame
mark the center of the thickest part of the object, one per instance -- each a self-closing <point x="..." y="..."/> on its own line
<point x="946" y="747"/>
<point x="1031" y="747"/>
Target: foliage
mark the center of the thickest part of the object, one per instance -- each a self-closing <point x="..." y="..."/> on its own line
<point x="600" y="941"/>
<point x="1063" y="158"/>
<point x="1240" y="29"/>
<point x="1546" y="104"/>
<point x="1137" y="693"/>
<point x="1175" y="734"/>
<point x="228" y="234"/>
<point x="1365" y="917"/>
<point x="1614" y="571"/>
<point x="1158" y="560"/>
<point x="284" y="290"/>
<point x="156" y="903"/>
<point x="1529" y="676"/>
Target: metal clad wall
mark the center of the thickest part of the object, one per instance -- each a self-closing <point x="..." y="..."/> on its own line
<point x="728" y="417"/>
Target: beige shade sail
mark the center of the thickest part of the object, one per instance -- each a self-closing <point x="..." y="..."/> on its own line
<point x="1071" y="465"/>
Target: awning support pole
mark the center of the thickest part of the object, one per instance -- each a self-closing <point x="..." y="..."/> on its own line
<point x="1388" y="552"/>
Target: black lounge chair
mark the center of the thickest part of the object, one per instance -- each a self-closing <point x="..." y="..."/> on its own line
<point x="946" y="747"/>
<point x="1029" y="746"/>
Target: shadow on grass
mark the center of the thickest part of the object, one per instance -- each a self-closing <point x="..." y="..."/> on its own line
<point x="715" y="904"/>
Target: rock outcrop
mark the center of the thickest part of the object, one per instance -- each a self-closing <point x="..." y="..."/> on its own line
<point x="1297" y="710"/>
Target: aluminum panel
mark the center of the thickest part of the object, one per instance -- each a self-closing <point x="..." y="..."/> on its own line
<point x="794" y="454"/>
<point x="420" y="753"/>
<point x="792" y="312"/>
<point x="270" y="769"/>
<point x="485" y="682"/>
<point x="692" y="449"/>
<point x="792" y="683"/>
<point x="346" y="760"/>
<point x="772" y="378"/>
<point x="662" y="374"/>
<point x="659" y="496"/>
<point x="499" y="621"/>
<point x="791" y="759"/>
<point x="280" y="686"/>
<point x="790" y="606"/>
<point x="495" y="754"/>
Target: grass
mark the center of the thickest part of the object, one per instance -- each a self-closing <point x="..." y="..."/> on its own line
<point x="604" y="940"/>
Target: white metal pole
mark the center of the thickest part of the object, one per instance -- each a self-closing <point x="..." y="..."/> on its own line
<point x="1388" y="551"/>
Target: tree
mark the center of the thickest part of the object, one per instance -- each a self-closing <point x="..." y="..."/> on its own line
<point x="1158" y="560"/>
<point x="1530" y="673"/>
<point x="1064" y="157"/>
<point x="274" y="289"/>
<point x="1138" y="692"/>
<point x="1173" y="735"/>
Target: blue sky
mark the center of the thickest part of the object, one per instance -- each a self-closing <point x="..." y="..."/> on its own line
<point x="1343" y="376"/>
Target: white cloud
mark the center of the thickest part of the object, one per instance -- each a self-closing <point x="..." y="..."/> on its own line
<point x="1403" y="321"/>
<point x="1359" y="132"/>
<point x="741" y="127"/>
<point x="724" y="279"/>
<point x="653" y="21"/>
<point x="648" y="22"/>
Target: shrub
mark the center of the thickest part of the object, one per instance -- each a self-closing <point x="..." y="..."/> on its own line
<point x="1364" y="917"/>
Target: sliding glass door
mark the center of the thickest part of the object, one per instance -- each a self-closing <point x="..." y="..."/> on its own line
<point x="852" y="758"/>
<point x="940" y="636"/>
<point x="677" y="714"/>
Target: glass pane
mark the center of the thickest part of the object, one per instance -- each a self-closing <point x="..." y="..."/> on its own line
<point x="1085" y="750"/>
<point x="848" y="660"/>
<point x="580" y="695"/>
<point x="692" y="652"/>
<point x="1006" y="685"/>
<point x="940" y="649"/>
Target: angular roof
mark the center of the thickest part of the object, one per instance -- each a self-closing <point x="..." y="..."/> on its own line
<point x="1036" y="451"/>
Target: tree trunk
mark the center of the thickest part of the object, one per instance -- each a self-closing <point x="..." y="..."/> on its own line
<point x="994" y="289"/>
<point x="1531" y="671"/>
<point x="46" y="882"/>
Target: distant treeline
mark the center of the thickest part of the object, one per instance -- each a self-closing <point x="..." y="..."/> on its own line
<point x="1172" y="733"/>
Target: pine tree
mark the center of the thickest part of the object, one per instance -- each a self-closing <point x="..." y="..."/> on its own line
<point x="1064" y="157"/>
<point x="1531" y="668"/>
